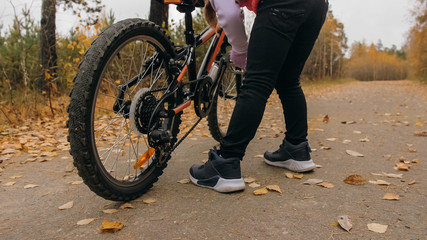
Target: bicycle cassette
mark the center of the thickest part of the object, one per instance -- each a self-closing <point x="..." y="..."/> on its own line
<point x="141" y="109"/>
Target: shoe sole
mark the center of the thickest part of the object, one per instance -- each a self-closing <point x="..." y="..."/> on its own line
<point x="293" y="165"/>
<point x="223" y="185"/>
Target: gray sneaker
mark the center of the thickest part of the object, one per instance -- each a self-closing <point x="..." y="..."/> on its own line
<point x="293" y="157"/>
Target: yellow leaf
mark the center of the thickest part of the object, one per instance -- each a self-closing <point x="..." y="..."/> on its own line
<point x="70" y="46"/>
<point x="249" y="180"/>
<point x="184" y="181"/>
<point x="117" y="82"/>
<point x="335" y="224"/>
<point x="78" y="15"/>
<point x="261" y="191"/>
<point x="419" y="124"/>
<point x="298" y="175"/>
<point x="391" y="196"/>
<point x="85" y="221"/>
<point x="111" y="226"/>
<point x="274" y="188"/>
<point x="144" y="158"/>
<point x="82" y="51"/>
<point x="289" y="175"/>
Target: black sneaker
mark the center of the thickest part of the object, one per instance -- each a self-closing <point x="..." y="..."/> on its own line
<point x="293" y="157"/>
<point x="219" y="174"/>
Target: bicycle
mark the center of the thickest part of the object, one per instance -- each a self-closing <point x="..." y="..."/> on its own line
<point x="129" y="95"/>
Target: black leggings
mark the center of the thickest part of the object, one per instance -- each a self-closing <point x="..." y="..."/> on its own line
<point x="281" y="40"/>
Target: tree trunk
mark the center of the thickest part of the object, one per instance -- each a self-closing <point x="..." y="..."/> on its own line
<point x="48" y="57"/>
<point x="159" y="13"/>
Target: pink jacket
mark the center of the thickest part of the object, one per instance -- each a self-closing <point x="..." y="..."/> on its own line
<point x="230" y="18"/>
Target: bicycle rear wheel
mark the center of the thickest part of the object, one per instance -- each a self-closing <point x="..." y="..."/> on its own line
<point x="109" y="127"/>
<point x="229" y="84"/>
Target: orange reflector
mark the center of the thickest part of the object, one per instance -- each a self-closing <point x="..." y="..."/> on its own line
<point x="144" y="158"/>
<point x="172" y="1"/>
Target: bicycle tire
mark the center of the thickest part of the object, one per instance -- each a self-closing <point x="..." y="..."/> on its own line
<point x="229" y="84"/>
<point x="109" y="62"/>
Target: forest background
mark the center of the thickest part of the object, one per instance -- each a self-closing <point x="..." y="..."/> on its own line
<point x="34" y="85"/>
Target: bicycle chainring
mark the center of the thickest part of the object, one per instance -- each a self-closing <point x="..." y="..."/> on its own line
<point x="203" y="97"/>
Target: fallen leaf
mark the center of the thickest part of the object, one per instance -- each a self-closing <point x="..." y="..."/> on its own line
<point x="312" y="181"/>
<point x="326" y="185"/>
<point x="378" y="228"/>
<point x="402" y="159"/>
<point x="388" y="156"/>
<point x="412" y="150"/>
<point x="357" y="132"/>
<point x="274" y="188"/>
<point x="391" y="196"/>
<point x="348" y="122"/>
<point x="334" y="224"/>
<point x="325" y="119"/>
<point x="15" y="177"/>
<point x="389" y="175"/>
<point x="318" y="166"/>
<point x="149" y="201"/>
<point x="346" y="141"/>
<point x="289" y="175"/>
<point x="366" y="139"/>
<point x="419" y="124"/>
<point x="8" y="184"/>
<point x="68" y="205"/>
<point x="379" y="182"/>
<point x="110" y="211"/>
<point x="126" y="205"/>
<point x="420" y="134"/>
<point x="261" y="191"/>
<point x="355" y="180"/>
<point x="344" y="222"/>
<point x="354" y="153"/>
<point x="184" y="181"/>
<point x="298" y="175"/>
<point x="415" y="161"/>
<point x="331" y="139"/>
<point x="254" y="185"/>
<point x="44" y="195"/>
<point x="412" y="182"/>
<point x="76" y="182"/>
<point x="402" y="167"/>
<point x="249" y="180"/>
<point x="325" y="148"/>
<point x="85" y="221"/>
<point x="111" y="226"/>
<point x="30" y="186"/>
<point x="259" y="156"/>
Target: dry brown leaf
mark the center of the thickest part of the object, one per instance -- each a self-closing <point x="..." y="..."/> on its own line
<point x="28" y="186"/>
<point x="326" y="118"/>
<point x="259" y="156"/>
<point x="313" y="181"/>
<point x="345" y="223"/>
<point x="149" y="201"/>
<point x="402" y="167"/>
<point x="355" y="180"/>
<point x="261" y="191"/>
<point x="68" y="205"/>
<point x="331" y="139"/>
<point x="419" y="124"/>
<point x="326" y="185"/>
<point x="412" y="182"/>
<point x="415" y="161"/>
<point x="391" y="196"/>
<point x="275" y="188"/>
<point x="402" y="159"/>
<point x="388" y="156"/>
<point x="357" y="132"/>
<point x="366" y="139"/>
<point x="380" y="182"/>
<point x="354" y="153"/>
<point x="110" y="211"/>
<point x="325" y="148"/>
<point x="85" y="221"/>
<point x="249" y="180"/>
<point x="346" y="141"/>
<point x="184" y="181"/>
<point x="412" y="150"/>
<point x="420" y="134"/>
<point x="126" y="205"/>
<point x="111" y="226"/>
<point x="378" y="228"/>
<point x="8" y="184"/>
<point x="254" y="185"/>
